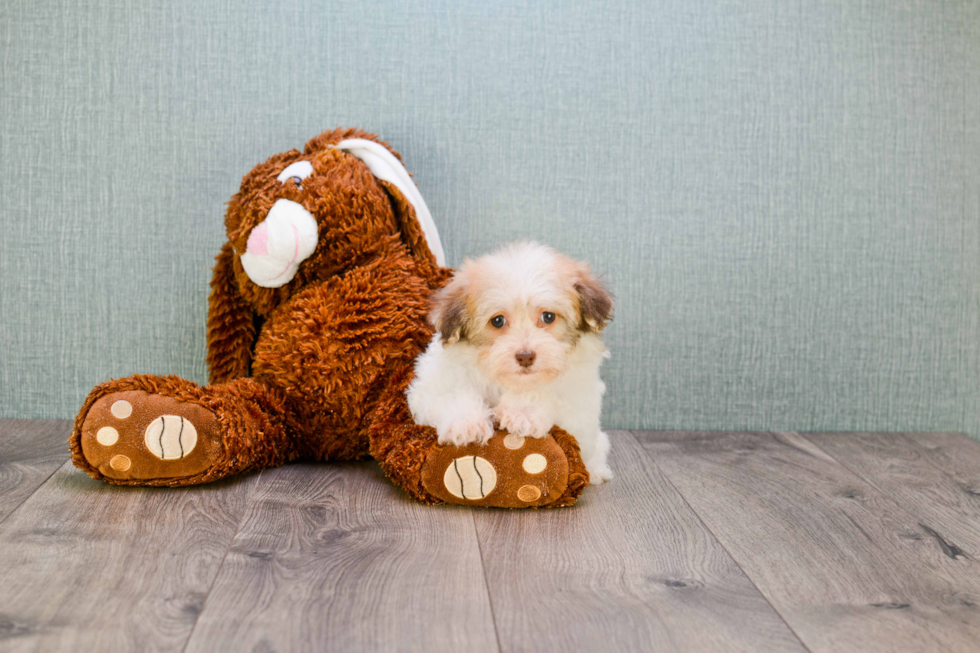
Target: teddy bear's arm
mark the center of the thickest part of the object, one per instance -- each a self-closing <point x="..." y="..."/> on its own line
<point x="231" y="325"/>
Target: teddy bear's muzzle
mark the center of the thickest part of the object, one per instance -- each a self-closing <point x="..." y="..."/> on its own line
<point x="278" y="245"/>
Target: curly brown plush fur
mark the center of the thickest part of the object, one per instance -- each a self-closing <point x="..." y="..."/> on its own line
<point x="314" y="369"/>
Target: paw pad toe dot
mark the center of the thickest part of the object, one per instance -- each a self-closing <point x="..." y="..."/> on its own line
<point x="535" y="463"/>
<point x="528" y="493"/>
<point x="120" y="463"/>
<point x="512" y="441"/>
<point x="107" y="436"/>
<point x="122" y="409"/>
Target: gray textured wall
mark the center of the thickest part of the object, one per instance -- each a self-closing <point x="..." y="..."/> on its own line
<point x="784" y="195"/>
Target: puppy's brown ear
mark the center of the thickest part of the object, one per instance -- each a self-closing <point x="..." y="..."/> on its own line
<point x="595" y="302"/>
<point x="231" y="323"/>
<point x="448" y="312"/>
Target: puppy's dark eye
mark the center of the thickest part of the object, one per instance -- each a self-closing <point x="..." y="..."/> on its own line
<point x="498" y="321"/>
<point x="547" y="317"/>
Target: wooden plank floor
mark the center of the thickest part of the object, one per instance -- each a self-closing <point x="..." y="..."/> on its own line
<point x="702" y="542"/>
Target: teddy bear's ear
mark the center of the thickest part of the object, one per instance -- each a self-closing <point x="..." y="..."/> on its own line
<point x="416" y="224"/>
<point x="231" y="323"/>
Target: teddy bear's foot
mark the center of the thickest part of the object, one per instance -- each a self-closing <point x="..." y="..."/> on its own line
<point x="138" y="436"/>
<point x="507" y="472"/>
<point x="164" y="430"/>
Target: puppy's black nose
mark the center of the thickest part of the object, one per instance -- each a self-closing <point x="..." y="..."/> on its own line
<point x="525" y="358"/>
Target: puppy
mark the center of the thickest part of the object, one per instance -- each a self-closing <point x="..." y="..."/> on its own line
<point x="518" y="344"/>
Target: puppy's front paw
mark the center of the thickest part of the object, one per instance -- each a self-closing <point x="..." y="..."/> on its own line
<point x="599" y="473"/>
<point x="525" y="422"/>
<point x="466" y="430"/>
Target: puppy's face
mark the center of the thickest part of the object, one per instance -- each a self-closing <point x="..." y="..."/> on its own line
<point x="524" y="308"/>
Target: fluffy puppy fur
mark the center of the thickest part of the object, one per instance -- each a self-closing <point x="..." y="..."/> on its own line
<point x="518" y="344"/>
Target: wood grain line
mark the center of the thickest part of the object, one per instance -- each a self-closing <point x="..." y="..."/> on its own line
<point x="30" y="452"/>
<point x="720" y="543"/>
<point x="629" y="567"/>
<point x="90" y="566"/>
<point x="844" y="564"/>
<point x="944" y="510"/>
<point x="954" y="453"/>
<point x="333" y="557"/>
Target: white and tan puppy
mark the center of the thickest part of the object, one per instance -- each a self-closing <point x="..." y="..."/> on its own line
<point x="518" y="344"/>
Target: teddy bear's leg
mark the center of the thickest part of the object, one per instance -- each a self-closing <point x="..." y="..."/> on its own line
<point x="507" y="472"/>
<point x="152" y="430"/>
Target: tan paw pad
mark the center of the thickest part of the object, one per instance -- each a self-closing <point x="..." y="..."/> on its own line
<point x="528" y="493"/>
<point x="170" y="437"/>
<point x="120" y="463"/>
<point x="107" y="436"/>
<point x="535" y="463"/>
<point x="512" y="441"/>
<point x="470" y="477"/>
<point x="121" y="409"/>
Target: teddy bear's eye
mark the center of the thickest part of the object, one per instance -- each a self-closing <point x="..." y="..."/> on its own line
<point x="498" y="321"/>
<point x="297" y="171"/>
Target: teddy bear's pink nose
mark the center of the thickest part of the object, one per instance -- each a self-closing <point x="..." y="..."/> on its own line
<point x="258" y="240"/>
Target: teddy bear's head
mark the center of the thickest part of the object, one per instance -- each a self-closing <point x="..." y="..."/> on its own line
<point x="306" y="216"/>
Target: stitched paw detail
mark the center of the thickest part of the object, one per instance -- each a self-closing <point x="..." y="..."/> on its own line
<point x="470" y="478"/>
<point x="133" y="435"/>
<point x="509" y="471"/>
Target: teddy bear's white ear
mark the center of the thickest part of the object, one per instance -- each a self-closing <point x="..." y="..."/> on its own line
<point x="385" y="166"/>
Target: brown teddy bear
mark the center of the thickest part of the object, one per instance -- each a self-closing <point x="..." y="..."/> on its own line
<point x="317" y="311"/>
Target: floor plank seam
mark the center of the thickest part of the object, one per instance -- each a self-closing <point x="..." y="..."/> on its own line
<point x="486" y="581"/>
<point x="42" y="484"/>
<point x="720" y="543"/>
<point x="217" y="574"/>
